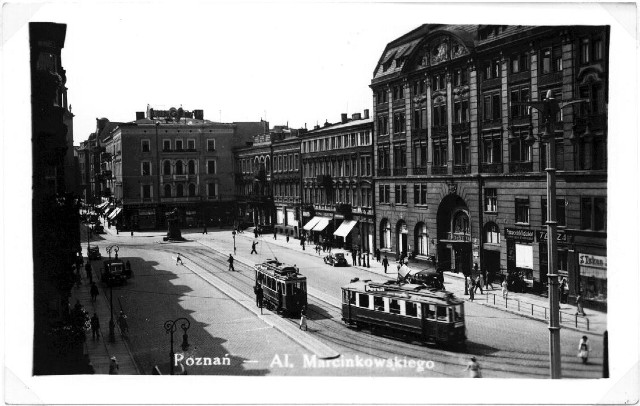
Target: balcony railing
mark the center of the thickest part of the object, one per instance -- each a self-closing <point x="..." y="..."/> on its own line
<point x="461" y="169"/>
<point x="399" y="171"/>
<point x="545" y="79"/>
<point x="439" y="170"/>
<point x="520" y="167"/>
<point x="439" y="131"/>
<point x="383" y="172"/>
<point x="491" y="167"/>
<point x="419" y="170"/>
<point x="461" y="128"/>
<point x="519" y="77"/>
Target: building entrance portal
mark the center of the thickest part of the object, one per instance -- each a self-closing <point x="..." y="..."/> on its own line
<point x="454" y="235"/>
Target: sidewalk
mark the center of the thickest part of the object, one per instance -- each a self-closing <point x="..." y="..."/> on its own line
<point x="101" y="350"/>
<point x="523" y="304"/>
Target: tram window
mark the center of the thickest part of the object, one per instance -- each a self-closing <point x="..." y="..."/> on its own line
<point x="431" y="312"/>
<point x="352" y="298"/>
<point x="289" y="290"/>
<point x="364" y="300"/>
<point x="394" y="306"/>
<point x="411" y="309"/>
<point x="441" y="313"/>
<point x="457" y="311"/>
<point x="378" y="303"/>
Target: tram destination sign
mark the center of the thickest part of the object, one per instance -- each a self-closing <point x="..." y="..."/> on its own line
<point x="519" y="234"/>
<point x="541" y="235"/>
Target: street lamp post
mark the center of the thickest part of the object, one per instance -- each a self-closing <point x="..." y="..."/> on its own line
<point x="366" y="212"/>
<point x="549" y="108"/>
<point x="170" y="326"/>
<point x="112" y="335"/>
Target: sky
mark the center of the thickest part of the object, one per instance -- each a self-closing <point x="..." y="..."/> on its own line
<point x="286" y="62"/>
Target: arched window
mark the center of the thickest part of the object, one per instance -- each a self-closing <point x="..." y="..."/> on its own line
<point x="179" y="168"/>
<point x="192" y="167"/>
<point x="491" y="233"/>
<point x="167" y="190"/>
<point x="385" y="234"/>
<point x="422" y="239"/>
<point x="192" y="190"/>
<point x="179" y="190"/>
<point x="461" y="223"/>
<point x="166" y="168"/>
<point x="267" y="163"/>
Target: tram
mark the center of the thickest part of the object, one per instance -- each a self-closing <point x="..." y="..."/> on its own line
<point x="284" y="288"/>
<point x="433" y="316"/>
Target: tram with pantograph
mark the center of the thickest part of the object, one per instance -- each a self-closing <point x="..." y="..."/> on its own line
<point x="432" y="316"/>
<point x="283" y="287"/>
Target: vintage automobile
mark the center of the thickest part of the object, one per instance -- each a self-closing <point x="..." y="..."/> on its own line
<point x="94" y="252"/>
<point x="427" y="277"/>
<point x="336" y="258"/>
<point x="113" y="272"/>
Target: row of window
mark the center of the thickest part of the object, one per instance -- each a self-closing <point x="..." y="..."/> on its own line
<point x="179" y="145"/>
<point x="404" y="307"/>
<point x="286" y="189"/>
<point x="342" y="167"/>
<point x="178" y="168"/>
<point x="358" y="139"/>
<point x="192" y="190"/>
<point x="359" y="197"/>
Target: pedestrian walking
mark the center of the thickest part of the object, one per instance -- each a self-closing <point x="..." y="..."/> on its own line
<point x="505" y="289"/>
<point x="253" y="247"/>
<point x="287" y="237"/>
<point x="487" y="282"/>
<point x="303" y="318"/>
<point x="562" y="287"/>
<point x="359" y="258"/>
<point x="95" y="326"/>
<point x="89" y="272"/>
<point x="479" y="283"/>
<point x="113" y="366"/>
<point x="122" y="323"/>
<point x="258" y="292"/>
<point x="94" y="292"/>
<point x="179" y="260"/>
<point x="204" y="231"/>
<point x="132" y="232"/>
<point x="385" y="263"/>
<point x="580" y="304"/>
<point x="275" y="234"/>
<point x="353" y="257"/>
<point x="583" y="349"/>
<point x="474" y="368"/>
<point x="471" y="288"/>
<point x="255" y="232"/>
<point x="230" y="261"/>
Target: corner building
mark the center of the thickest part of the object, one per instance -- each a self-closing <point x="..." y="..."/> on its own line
<point x="457" y="174"/>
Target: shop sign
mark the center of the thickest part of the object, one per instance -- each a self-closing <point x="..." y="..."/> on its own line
<point x="542" y="236"/>
<point x="519" y="234"/>
<point x="338" y="216"/>
<point x="593" y="261"/>
<point x="306" y="214"/>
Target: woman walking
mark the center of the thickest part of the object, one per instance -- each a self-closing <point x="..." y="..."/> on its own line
<point x="505" y="289"/>
<point x="474" y="368"/>
<point x="583" y="349"/>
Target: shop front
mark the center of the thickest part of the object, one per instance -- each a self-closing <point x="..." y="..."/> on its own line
<point x="562" y="256"/>
<point x="520" y="269"/>
<point x="592" y="271"/>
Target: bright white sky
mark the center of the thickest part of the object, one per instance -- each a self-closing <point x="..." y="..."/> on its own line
<point x="300" y="64"/>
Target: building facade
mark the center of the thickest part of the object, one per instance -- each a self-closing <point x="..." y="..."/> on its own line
<point x="337" y="187"/>
<point x="168" y="159"/>
<point x="286" y="179"/>
<point x="457" y="174"/>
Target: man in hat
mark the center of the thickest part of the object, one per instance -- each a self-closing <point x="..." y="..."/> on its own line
<point x="113" y="366"/>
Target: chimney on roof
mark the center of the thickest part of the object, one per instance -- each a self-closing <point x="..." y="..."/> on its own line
<point x="366" y="113"/>
<point x="356" y="116"/>
<point x="344" y="118"/>
<point x="315" y="127"/>
<point x="198" y="114"/>
<point x="139" y="115"/>
<point x="326" y="123"/>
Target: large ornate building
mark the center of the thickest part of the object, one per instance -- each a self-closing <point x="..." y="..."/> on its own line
<point x="457" y="173"/>
<point x="169" y="159"/>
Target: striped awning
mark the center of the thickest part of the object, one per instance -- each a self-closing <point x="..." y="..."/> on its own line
<point x="345" y="228"/>
<point x="102" y="205"/>
<point x="311" y="223"/>
<point x="114" y="213"/>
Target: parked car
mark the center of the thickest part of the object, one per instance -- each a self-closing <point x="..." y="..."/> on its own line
<point x="336" y="258"/>
<point x="98" y="229"/>
<point x="94" y="252"/>
<point x="431" y="279"/>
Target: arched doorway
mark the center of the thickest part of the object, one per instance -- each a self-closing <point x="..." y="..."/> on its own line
<point x="454" y="235"/>
<point x="401" y="237"/>
<point x="385" y="234"/>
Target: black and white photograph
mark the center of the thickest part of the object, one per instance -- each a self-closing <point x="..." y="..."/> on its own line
<point x="320" y="203"/>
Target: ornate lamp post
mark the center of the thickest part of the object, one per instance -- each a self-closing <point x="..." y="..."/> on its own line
<point x="548" y="109"/>
<point x="170" y="326"/>
<point x="112" y="336"/>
